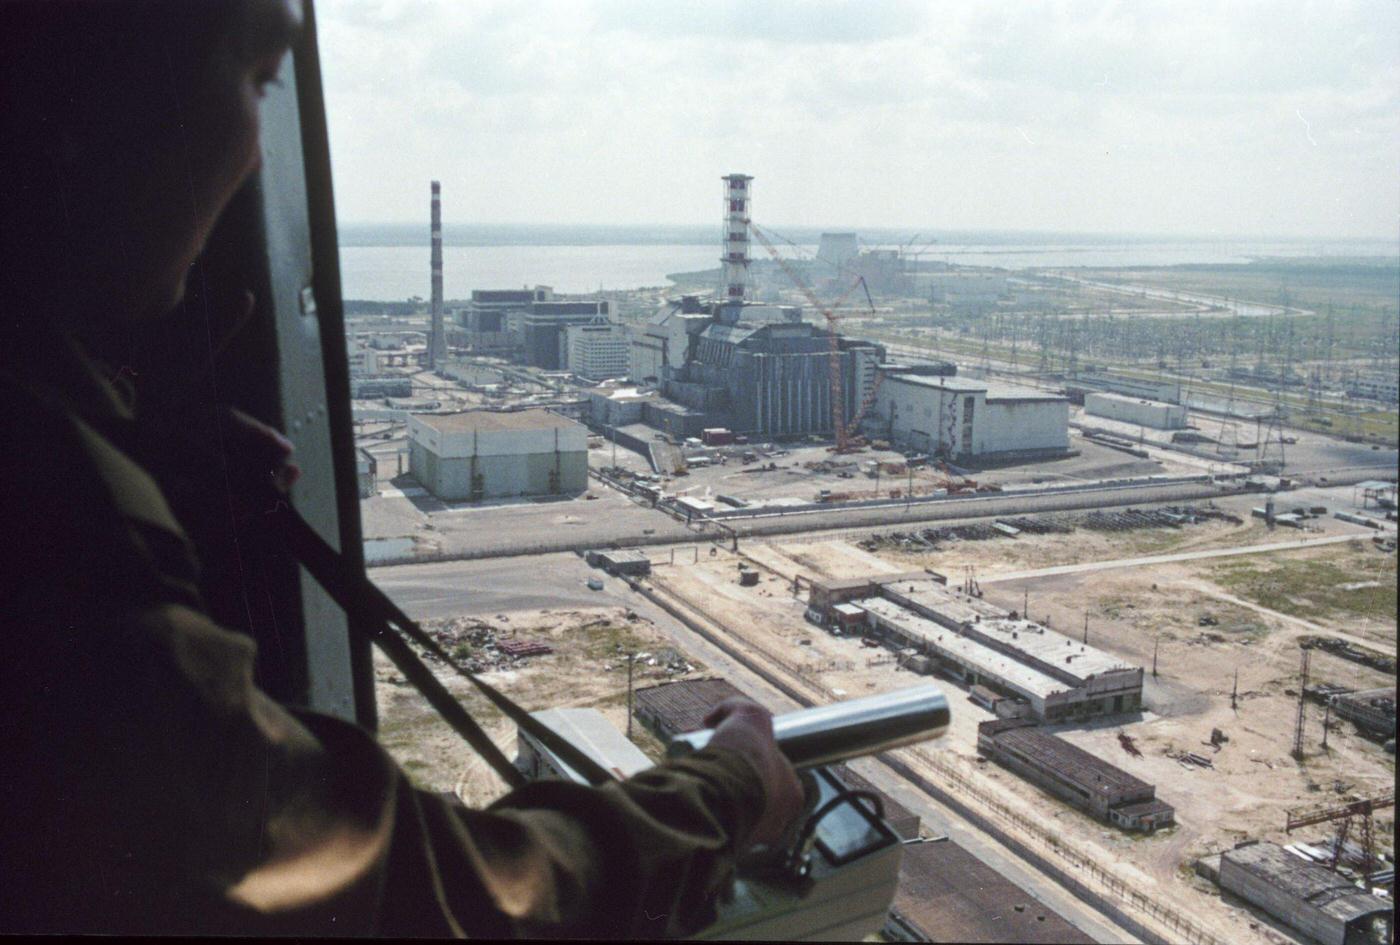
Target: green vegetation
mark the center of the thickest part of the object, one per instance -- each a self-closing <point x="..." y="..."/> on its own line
<point x="1351" y="584"/>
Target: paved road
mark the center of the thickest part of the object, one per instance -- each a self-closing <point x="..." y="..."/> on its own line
<point x="496" y="585"/>
<point x="1169" y="559"/>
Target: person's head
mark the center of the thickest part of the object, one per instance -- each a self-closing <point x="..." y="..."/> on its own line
<point x="125" y="128"/>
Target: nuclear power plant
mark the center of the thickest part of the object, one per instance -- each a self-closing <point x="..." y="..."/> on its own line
<point x="843" y="466"/>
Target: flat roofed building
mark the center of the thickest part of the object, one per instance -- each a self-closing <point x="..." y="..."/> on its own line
<point x="673" y="708"/>
<point x="543" y="328"/>
<point x="590" y="732"/>
<point x="1073" y="774"/>
<point x="597" y="350"/>
<point x="967" y="419"/>
<point x="946" y="894"/>
<point x="1148" y="413"/>
<point x="483" y="454"/>
<point x="1057" y="676"/>
<point x="1307" y="897"/>
<point x="627" y="561"/>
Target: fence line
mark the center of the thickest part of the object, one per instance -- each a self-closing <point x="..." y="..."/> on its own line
<point x="1067" y="851"/>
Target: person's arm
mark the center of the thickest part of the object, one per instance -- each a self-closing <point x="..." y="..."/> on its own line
<point x="156" y="789"/>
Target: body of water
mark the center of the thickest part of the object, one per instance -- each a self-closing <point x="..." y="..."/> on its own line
<point x="385" y="272"/>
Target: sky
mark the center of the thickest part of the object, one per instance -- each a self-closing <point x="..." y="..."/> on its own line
<point x="1174" y="118"/>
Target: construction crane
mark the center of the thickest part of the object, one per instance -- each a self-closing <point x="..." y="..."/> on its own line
<point x="1360" y="810"/>
<point x="845" y="443"/>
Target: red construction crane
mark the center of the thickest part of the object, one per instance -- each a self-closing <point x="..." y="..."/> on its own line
<point x="844" y="442"/>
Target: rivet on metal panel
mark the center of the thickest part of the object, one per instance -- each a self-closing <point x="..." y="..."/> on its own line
<point x="296" y="424"/>
<point x="308" y="302"/>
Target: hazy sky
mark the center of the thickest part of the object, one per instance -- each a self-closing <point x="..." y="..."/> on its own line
<point x="1278" y="118"/>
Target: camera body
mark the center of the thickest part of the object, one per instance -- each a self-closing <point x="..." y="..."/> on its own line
<point x="836" y="876"/>
<point x="838" y="887"/>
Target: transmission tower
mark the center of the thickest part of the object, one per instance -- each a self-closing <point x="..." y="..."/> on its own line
<point x="1227" y="445"/>
<point x="1302" y="703"/>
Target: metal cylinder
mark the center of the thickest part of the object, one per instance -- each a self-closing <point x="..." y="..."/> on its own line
<point x="844" y="730"/>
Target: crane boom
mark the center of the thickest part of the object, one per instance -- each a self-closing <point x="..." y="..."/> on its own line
<point x="838" y="407"/>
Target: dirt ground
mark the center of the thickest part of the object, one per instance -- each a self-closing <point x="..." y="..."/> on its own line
<point x="1131" y="611"/>
<point x="585" y="670"/>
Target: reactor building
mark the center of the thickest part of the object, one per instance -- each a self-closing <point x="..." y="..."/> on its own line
<point x="761" y="370"/>
<point x="751" y="368"/>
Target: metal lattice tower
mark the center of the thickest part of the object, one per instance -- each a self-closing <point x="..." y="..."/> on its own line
<point x="1302" y="703"/>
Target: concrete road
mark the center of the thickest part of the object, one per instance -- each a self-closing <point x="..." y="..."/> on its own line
<point x="497" y="585"/>
<point x="1170" y="559"/>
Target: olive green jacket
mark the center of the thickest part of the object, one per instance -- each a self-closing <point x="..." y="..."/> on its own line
<point x="149" y="786"/>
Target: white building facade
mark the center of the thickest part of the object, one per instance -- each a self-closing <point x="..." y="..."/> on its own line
<point x="597" y="351"/>
<point x="483" y="454"/>
<point x="965" y="419"/>
<point x="1146" y="413"/>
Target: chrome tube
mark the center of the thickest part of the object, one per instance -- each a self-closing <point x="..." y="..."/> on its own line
<point x="844" y="730"/>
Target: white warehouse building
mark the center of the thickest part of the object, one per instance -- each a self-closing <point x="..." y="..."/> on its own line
<point x="1145" y="413"/>
<point x="484" y="454"/>
<point x="968" y="419"/>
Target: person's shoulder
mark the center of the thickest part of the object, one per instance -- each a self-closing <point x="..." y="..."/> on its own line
<point x="61" y="465"/>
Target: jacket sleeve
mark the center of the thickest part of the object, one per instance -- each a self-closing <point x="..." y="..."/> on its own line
<point x="151" y="787"/>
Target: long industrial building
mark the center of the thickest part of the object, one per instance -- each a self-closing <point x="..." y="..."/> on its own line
<point x="966" y="419"/>
<point x="484" y="454"/>
<point x="1074" y="775"/>
<point x="1307" y="897"/>
<point x="1058" y="678"/>
<point x="1147" y="413"/>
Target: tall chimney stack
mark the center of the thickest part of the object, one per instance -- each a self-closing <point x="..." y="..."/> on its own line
<point x="437" y="339"/>
<point x="736" y="237"/>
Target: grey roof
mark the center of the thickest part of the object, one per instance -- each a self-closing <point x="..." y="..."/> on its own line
<point x="994" y="390"/>
<point x="1072" y="764"/>
<point x="591" y="732"/>
<point x="1316" y="885"/>
<point x="728" y="334"/>
<point x="493" y="420"/>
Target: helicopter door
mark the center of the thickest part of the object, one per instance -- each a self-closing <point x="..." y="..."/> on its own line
<point x="288" y="367"/>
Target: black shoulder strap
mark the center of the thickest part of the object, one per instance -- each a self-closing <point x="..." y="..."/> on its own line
<point x="354" y="592"/>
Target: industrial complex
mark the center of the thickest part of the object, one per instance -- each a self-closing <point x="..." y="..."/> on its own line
<point x="1053" y="676"/>
<point x="1155" y="580"/>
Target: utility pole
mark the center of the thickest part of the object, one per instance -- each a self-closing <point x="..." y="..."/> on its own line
<point x="1026" y="603"/>
<point x="1302" y="703"/>
<point x="909" y="489"/>
<point x="1235" y="691"/>
<point x="1086" y="629"/>
<point x="1155" y="642"/>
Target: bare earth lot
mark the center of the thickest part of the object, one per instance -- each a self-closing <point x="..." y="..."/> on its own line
<point x="1258" y="606"/>
<point x="585" y="670"/>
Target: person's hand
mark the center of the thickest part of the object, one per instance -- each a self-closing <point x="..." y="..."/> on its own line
<point x="746" y="727"/>
<point x="259" y="457"/>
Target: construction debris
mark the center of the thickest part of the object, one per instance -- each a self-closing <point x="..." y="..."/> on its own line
<point x="1129" y="745"/>
<point x="474" y="644"/>
<point x="1350" y="651"/>
<point x="929" y="539"/>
